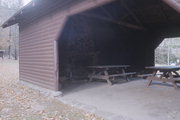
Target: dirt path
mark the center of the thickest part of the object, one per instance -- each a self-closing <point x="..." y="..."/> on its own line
<point x="19" y="102"/>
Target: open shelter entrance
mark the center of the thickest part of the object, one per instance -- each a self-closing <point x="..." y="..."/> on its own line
<point x="82" y="33"/>
<point x="117" y="33"/>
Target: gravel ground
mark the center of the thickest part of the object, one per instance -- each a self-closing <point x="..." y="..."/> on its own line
<point x="18" y="102"/>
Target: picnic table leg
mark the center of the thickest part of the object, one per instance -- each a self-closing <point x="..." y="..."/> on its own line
<point x="150" y="81"/>
<point x="90" y="76"/>
<point x="174" y="82"/>
<point x="107" y="79"/>
<point x="126" y="77"/>
<point x="175" y="85"/>
<point x="176" y="73"/>
<point x="165" y="74"/>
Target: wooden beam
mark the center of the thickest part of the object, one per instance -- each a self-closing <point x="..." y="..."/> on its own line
<point x="164" y="14"/>
<point x="125" y="24"/>
<point x="174" y="4"/>
<point x="107" y="12"/>
<point x="124" y="17"/>
<point x="131" y="12"/>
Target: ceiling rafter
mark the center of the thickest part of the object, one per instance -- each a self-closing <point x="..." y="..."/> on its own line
<point x="124" y="17"/>
<point x="107" y="12"/>
<point x="125" y="24"/>
<point x="164" y="14"/>
<point x="122" y="2"/>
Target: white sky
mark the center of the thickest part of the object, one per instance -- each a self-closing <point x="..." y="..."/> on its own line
<point x="26" y="1"/>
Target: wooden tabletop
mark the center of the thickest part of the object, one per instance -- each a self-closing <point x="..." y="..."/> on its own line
<point x="109" y="66"/>
<point x="166" y="68"/>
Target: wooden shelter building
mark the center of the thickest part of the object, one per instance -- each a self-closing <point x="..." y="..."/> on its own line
<point x="61" y="37"/>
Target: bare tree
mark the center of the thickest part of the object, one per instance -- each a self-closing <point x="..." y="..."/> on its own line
<point x="9" y="36"/>
<point x="13" y="4"/>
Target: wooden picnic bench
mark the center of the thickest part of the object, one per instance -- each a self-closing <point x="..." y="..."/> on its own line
<point x="144" y="75"/>
<point x="168" y="74"/>
<point x="105" y="72"/>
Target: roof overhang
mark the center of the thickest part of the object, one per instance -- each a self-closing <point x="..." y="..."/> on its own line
<point x="34" y="6"/>
<point x="175" y="4"/>
<point x="14" y="19"/>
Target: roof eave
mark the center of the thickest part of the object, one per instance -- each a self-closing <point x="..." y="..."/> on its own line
<point x="13" y="19"/>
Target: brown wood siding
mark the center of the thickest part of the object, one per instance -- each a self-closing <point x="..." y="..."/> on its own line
<point x="37" y="64"/>
<point x="38" y="49"/>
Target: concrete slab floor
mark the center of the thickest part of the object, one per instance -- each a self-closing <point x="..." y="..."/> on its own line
<point x="125" y="101"/>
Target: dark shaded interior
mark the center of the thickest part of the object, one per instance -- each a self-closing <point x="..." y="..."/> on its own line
<point x="124" y="33"/>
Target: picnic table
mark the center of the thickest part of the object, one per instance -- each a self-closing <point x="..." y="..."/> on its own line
<point x="109" y="72"/>
<point x="168" y="74"/>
